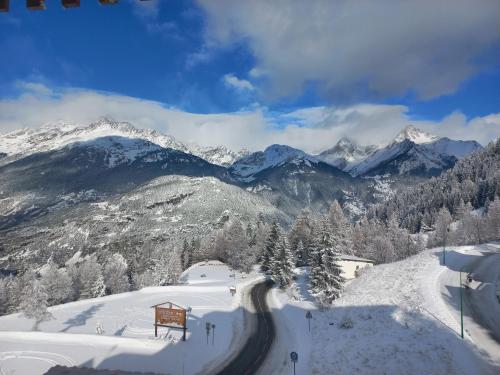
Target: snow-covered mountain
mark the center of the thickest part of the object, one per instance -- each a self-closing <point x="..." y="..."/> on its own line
<point x="273" y="156"/>
<point x="53" y="136"/>
<point x="415" y="152"/>
<point x="415" y="135"/>
<point x="219" y="155"/>
<point x="346" y="154"/>
<point x="292" y="179"/>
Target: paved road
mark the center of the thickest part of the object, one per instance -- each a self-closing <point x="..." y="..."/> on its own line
<point x="259" y="343"/>
<point x="481" y="298"/>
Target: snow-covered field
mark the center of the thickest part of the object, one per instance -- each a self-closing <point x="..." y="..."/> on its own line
<point x="404" y="321"/>
<point x="128" y="341"/>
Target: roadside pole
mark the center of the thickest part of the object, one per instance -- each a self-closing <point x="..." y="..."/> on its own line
<point x="213" y="334"/>
<point x="461" y="309"/>
<point x="309" y="317"/>
<point x="294" y="357"/>
<point x="207" y="327"/>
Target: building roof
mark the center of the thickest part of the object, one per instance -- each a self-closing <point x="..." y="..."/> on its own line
<point x="353" y="258"/>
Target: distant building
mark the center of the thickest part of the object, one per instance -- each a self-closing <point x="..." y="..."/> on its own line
<point x="351" y="265"/>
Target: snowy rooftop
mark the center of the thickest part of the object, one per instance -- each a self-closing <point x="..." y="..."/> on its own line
<point x="355" y="258"/>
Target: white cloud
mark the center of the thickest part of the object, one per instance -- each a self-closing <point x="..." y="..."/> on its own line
<point x="311" y="129"/>
<point x="240" y="84"/>
<point x="359" y="49"/>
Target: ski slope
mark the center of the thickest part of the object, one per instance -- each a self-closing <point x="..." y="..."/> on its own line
<point x="404" y="317"/>
<point x="128" y="341"/>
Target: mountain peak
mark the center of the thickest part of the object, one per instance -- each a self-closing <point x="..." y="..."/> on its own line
<point x="415" y="135"/>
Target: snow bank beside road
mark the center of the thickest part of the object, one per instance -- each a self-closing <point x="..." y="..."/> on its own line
<point x="403" y="322"/>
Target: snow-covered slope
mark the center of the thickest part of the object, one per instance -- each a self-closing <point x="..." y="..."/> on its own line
<point x="162" y="212"/>
<point x="400" y="318"/>
<point x="128" y="341"/>
<point x="346" y="154"/>
<point x="53" y="136"/>
<point x="219" y="155"/>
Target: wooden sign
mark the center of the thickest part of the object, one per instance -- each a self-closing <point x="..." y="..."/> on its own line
<point x="173" y="316"/>
<point x="170" y="316"/>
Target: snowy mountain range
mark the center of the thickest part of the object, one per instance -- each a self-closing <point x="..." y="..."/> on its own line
<point x="414" y="152"/>
<point x="411" y="152"/>
<point x="53" y="136"/>
<point x="152" y="188"/>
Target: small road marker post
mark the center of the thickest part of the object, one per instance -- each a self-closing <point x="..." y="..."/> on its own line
<point x="208" y="326"/>
<point x="309" y="317"/>
<point x="295" y="358"/>
<point x="213" y="334"/>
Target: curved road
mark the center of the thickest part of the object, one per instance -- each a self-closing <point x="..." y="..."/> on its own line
<point x="259" y="342"/>
<point x="482" y="301"/>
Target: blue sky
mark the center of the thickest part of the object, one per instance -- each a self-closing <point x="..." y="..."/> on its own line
<point x="231" y="57"/>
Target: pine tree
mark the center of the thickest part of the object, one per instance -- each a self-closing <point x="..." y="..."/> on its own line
<point x="185" y="255"/>
<point x="301" y="255"/>
<point x="494" y="220"/>
<point x="301" y="233"/>
<point x="115" y="274"/>
<point x="282" y="263"/>
<point x="340" y="227"/>
<point x="270" y="247"/>
<point x="89" y="272"/>
<point x="98" y="288"/>
<point x="326" y="275"/>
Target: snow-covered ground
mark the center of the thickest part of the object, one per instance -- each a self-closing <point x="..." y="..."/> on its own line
<point x="404" y="321"/>
<point x="128" y="342"/>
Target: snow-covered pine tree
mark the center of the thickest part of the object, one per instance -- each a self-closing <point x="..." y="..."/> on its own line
<point x="301" y="255"/>
<point x="57" y="284"/>
<point x="185" y="255"/>
<point x="115" y="274"/>
<point x="493" y="219"/>
<point x="238" y="251"/>
<point x="282" y="264"/>
<point x="442" y="228"/>
<point x="326" y="277"/>
<point x="34" y="303"/>
<point x="270" y="247"/>
<point x="167" y="267"/>
<point x="89" y="272"/>
<point x="99" y="288"/>
<point x="340" y="227"/>
<point x="301" y="233"/>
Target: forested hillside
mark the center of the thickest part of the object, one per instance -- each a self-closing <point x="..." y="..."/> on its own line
<point x="474" y="181"/>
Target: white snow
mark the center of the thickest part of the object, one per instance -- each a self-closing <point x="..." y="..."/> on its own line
<point x="128" y="341"/>
<point x="415" y="135"/>
<point x="404" y="322"/>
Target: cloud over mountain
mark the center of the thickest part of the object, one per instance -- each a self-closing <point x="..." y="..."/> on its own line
<point x="311" y="129"/>
<point x="355" y="50"/>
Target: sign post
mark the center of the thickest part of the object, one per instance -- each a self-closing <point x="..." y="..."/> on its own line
<point x="207" y="327"/>
<point x="173" y="316"/>
<point x="213" y="334"/>
<point x="461" y="309"/>
<point x="309" y="317"/>
<point x="295" y="358"/>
